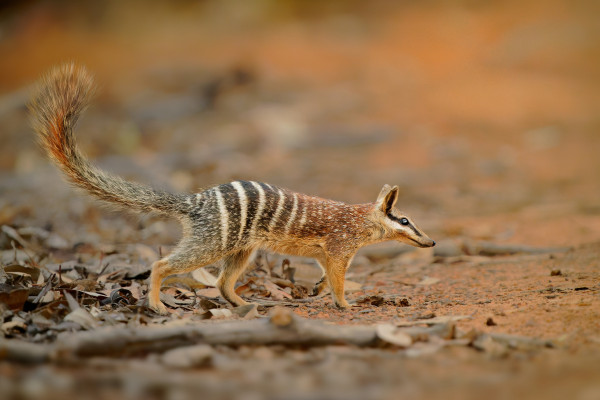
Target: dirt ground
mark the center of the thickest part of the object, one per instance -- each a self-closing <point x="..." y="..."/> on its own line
<point x="485" y="114"/>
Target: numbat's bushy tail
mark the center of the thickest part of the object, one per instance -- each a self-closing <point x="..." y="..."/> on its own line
<point x="226" y="222"/>
<point x="61" y="97"/>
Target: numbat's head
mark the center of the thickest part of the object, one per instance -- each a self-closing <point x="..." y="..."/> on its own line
<point x="395" y="224"/>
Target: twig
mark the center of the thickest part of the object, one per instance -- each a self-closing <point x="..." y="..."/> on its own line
<point x="521" y="342"/>
<point x="24" y="352"/>
<point x="43" y="292"/>
<point x="483" y="248"/>
<point x="103" y="269"/>
<point x="14" y="235"/>
<point x="283" y="327"/>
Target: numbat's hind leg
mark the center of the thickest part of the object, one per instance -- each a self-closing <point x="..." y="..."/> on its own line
<point x="320" y="286"/>
<point x="234" y="265"/>
<point x="160" y="270"/>
<point x="183" y="259"/>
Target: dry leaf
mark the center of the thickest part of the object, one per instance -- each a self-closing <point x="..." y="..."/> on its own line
<point x="209" y="292"/>
<point x="82" y="318"/>
<point x="218" y="313"/>
<point x="204" y="277"/>
<point x="33" y="273"/>
<point x="17" y="324"/>
<point x="146" y="253"/>
<point x="13" y="297"/>
<point x="249" y="311"/>
<point x="276" y="292"/>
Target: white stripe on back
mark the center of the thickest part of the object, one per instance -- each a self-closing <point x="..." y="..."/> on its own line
<point x="278" y="209"/>
<point x="224" y="217"/>
<point x="259" y="209"/>
<point x="304" y="212"/>
<point x="243" y="206"/>
<point x="290" y="221"/>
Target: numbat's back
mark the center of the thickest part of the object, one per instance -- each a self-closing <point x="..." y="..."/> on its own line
<point x="228" y="221"/>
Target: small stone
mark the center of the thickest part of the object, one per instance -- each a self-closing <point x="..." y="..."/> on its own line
<point x="425" y="315"/>
<point x="555" y="272"/>
<point x="428" y="280"/>
<point x="188" y="357"/>
<point x="281" y="316"/>
<point x="263" y="353"/>
<point x="490" y="322"/>
<point x="56" y="241"/>
<point x="487" y="344"/>
<point x="374" y="300"/>
<point x="403" y="302"/>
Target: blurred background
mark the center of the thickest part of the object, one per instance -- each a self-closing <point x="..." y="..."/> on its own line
<point x="485" y="113"/>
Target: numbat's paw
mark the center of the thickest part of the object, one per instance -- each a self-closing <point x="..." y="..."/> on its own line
<point x="159" y="308"/>
<point x="342" y="305"/>
<point x="319" y="287"/>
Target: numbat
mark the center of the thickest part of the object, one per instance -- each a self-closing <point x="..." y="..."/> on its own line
<point x="228" y="221"/>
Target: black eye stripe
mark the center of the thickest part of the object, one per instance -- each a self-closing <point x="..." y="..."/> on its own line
<point x="398" y="220"/>
<point x="408" y="224"/>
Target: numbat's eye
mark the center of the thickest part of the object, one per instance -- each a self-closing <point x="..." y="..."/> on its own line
<point x="404" y="221"/>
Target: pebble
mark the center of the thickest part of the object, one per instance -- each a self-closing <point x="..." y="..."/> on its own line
<point x="188" y="357"/>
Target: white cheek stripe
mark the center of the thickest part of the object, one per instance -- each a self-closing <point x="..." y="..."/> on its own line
<point x="408" y="229"/>
<point x="397" y="226"/>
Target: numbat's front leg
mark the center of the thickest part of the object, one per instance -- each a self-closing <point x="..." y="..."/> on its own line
<point x="336" y="275"/>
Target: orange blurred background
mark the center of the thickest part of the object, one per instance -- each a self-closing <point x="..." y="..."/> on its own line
<point x="485" y="113"/>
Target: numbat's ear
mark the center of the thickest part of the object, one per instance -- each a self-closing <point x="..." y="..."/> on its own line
<point x="387" y="198"/>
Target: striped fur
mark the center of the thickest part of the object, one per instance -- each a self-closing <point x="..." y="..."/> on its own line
<point x="226" y="222"/>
